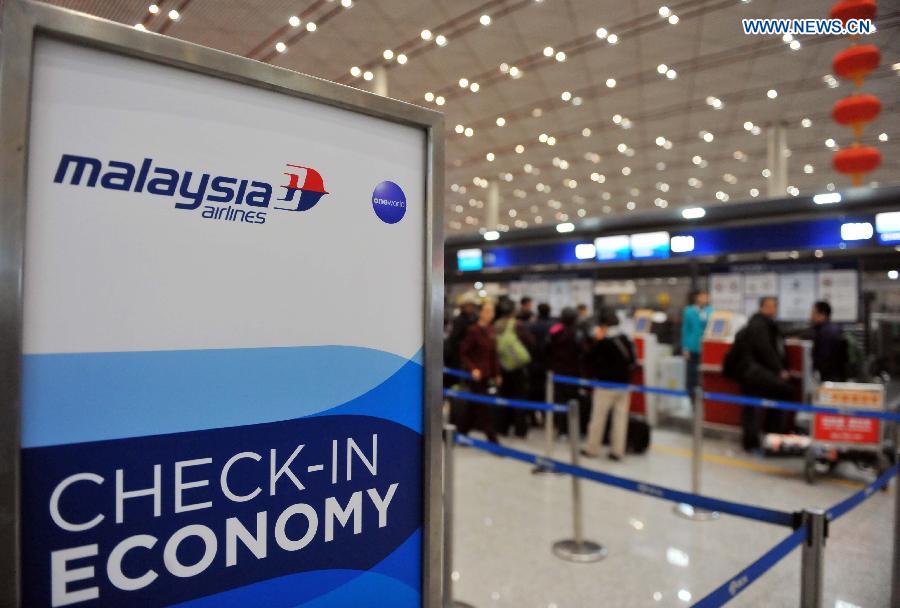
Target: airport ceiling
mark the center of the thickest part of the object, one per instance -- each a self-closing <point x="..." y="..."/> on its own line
<point x="628" y="135"/>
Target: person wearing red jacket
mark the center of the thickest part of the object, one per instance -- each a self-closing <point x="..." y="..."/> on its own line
<point x="478" y="353"/>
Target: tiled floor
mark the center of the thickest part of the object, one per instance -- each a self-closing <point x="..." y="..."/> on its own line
<point x="507" y="519"/>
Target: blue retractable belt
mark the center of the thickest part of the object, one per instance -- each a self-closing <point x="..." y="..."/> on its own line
<point x="800" y="407"/>
<point x="763" y="514"/>
<point x="503" y="402"/>
<point x="847" y="504"/>
<point x="618" y="386"/>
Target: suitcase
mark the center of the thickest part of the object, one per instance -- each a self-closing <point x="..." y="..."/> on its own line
<point x="638" y="438"/>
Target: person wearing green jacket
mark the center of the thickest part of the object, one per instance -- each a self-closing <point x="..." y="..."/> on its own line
<point x="693" y="324"/>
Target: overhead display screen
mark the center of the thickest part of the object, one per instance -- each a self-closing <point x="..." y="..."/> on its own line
<point x="648" y="245"/>
<point x="610" y="248"/>
<point x="887" y="225"/>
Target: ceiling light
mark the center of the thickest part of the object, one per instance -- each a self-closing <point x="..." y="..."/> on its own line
<point x="808" y="169"/>
<point x="490" y="157"/>
<point x="367" y="75"/>
<point x="828" y="198"/>
<point x="346" y="3"/>
<point x="469" y="132"/>
<point x="673" y="19"/>
<point x="806" y="123"/>
<point x="388" y="54"/>
<point x="429" y="96"/>
<point x="660" y="166"/>
<point x="484" y="20"/>
<point x="565" y="227"/>
<point x="504" y="67"/>
<point x="474" y="87"/>
<point x="697" y="160"/>
<point x="140" y="26"/>
<point x="626" y="171"/>
<point x="771" y="93"/>
<point x="501" y="121"/>
<point x="630" y="205"/>
<point x="755" y="130"/>
<point x="464" y="82"/>
<point x="754" y="192"/>
<point x="893" y="275"/>
<point x="401" y="59"/>
<point x="708" y="137"/>
<point x="153" y="8"/>
<point x="882" y="137"/>
<point x="515" y="72"/>
<point x="311" y="26"/>
<point x="585" y="132"/>
<point x="560" y="56"/>
<point x="566" y="96"/>
<point x="611" y="82"/>
<point x="612" y="39"/>
<point x="664" y="11"/>
<point x="795" y="45"/>
<point x="551" y="141"/>
<point x="426" y="34"/>
<point x="766" y="173"/>
<point x="441" y="40"/>
<point x="439" y="100"/>
<point x="548" y="51"/>
<point x="621" y="148"/>
<point x="459" y="129"/>
<point x="671" y="74"/>
<point x="280" y="47"/>
<point x="662" y="68"/>
<point x="748" y="125"/>
<point x="520" y="148"/>
<point x="829" y="142"/>
<point x="601" y="33"/>
<point x="355" y="71"/>
<point x="542" y="138"/>
<point x="174" y="15"/>
<point x="617" y="118"/>
<point x="491" y="235"/>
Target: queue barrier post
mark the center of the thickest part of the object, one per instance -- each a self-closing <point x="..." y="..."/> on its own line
<point x="895" y="576"/>
<point x="683" y="509"/>
<point x="577" y="549"/>
<point x="812" y="560"/>
<point x="449" y="442"/>
<point x="549" y="431"/>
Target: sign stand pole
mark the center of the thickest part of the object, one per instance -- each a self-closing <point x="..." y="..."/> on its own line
<point x="683" y="509"/>
<point x="577" y="549"/>
<point x="449" y="441"/>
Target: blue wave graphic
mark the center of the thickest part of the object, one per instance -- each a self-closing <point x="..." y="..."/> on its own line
<point x="76" y="398"/>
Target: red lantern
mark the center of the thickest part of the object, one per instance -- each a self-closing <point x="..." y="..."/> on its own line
<point x="854" y="9"/>
<point x="856" y="111"/>
<point x="856" y="62"/>
<point x="856" y="161"/>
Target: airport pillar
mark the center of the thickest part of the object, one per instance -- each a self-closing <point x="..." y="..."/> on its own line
<point x="380" y="81"/>
<point x="492" y="217"/>
<point x="776" y="159"/>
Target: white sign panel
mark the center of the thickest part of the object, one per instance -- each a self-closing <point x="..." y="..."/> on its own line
<point x="727" y="292"/>
<point x="796" y="295"/>
<point x="839" y="288"/>
<point x="223" y="338"/>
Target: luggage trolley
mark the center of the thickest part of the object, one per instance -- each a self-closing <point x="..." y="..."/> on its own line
<point x="837" y="438"/>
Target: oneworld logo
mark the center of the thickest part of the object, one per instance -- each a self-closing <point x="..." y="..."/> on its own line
<point x="220" y="196"/>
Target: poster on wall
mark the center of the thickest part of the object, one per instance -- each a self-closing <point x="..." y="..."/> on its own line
<point x="796" y="295"/>
<point x="839" y="288"/>
<point x="727" y="292"/>
<point x="209" y="414"/>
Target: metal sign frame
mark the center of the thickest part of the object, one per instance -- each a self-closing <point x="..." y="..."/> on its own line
<point x="24" y="21"/>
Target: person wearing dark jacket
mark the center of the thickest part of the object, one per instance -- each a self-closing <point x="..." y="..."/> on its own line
<point x="540" y="332"/>
<point x="610" y="358"/>
<point x="829" y="352"/>
<point x="478" y="353"/>
<point x="461" y="323"/>
<point x="515" y="381"/>
<point x="564" y="359"/>
<point x="762" y="368"/>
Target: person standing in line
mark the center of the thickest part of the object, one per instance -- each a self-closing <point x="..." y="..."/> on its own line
<point x="610" y="359"/>
<point x="526" y="308"/>
<point x="564" y="359"/>
<point x="540" y="331"/>
<point x="693" y="324"/>
<point x="514" y="346"/>
<point x="478" y="353"/>
<point x="761" y="369"/>
<point x="830" y="348"/>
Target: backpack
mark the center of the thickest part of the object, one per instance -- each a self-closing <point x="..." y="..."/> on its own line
<point x="512" y="353"/>
<point x="731" y="365"/>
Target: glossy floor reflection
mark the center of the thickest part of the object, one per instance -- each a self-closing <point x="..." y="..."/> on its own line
<point x="507" y="519"/>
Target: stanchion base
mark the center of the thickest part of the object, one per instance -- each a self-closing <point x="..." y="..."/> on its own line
<point x="539" y="470"/>
<point x="695" y="513"/>
<point x="583" y="552"/>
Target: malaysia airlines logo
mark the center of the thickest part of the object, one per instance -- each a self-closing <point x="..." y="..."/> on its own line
<point x="310" y="191"/>
<point x="221" y="197"/>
